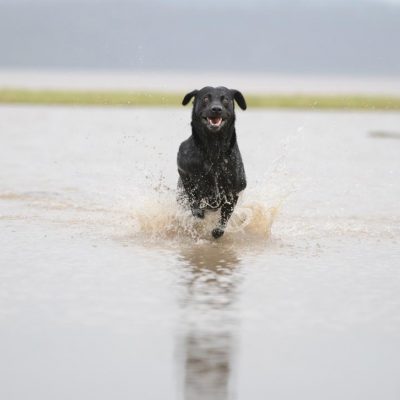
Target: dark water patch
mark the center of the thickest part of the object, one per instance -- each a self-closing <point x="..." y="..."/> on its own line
<point x="384" y="135"/>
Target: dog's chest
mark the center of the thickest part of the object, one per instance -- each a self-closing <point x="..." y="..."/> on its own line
<point x="222" y="173"/>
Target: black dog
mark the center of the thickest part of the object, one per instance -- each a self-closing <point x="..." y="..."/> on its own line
<point x="209" y="162"/>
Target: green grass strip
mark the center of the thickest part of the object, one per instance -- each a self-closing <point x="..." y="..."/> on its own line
<point x="159" y="99"/>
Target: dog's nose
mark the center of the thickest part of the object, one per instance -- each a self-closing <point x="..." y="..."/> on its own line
<point x="216" y="109"/>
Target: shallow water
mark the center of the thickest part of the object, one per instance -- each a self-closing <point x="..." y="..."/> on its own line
<point x="108" y="290"/>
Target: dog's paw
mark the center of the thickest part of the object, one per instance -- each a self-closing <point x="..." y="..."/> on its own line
<point x="198" y="213"/>
<point x="217" y="233"/>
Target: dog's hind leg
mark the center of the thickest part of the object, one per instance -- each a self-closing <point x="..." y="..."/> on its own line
<point x="226" y="212"/>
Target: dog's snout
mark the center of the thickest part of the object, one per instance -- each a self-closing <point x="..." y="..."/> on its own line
<point x="216" y="109"/>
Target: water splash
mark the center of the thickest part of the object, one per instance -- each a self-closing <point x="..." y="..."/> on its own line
<point x="163" y="218"/>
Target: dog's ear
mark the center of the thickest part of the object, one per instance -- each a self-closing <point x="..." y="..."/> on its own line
<point x="239" y="99"/>
<point x="189" y="96"/>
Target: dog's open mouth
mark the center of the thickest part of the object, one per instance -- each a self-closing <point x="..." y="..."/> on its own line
<point x="215" y="122"/>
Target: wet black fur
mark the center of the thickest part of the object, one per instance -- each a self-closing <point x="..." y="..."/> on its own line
<point x="209" y="162"/>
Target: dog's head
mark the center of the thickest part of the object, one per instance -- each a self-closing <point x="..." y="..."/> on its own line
<point x="214" y="107"/>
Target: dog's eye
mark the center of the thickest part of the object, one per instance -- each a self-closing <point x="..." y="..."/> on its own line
<point x="225" y="102"/>
<point x="206" y="100"/>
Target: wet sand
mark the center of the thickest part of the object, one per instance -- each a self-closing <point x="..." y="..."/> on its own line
<point x="108" y="290"/>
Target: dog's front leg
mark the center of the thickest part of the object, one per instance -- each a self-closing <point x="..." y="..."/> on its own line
<point x="193" y="195"/>
<point x="226" y="212"/>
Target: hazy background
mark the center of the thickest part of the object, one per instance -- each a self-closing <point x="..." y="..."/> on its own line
<point x="356" y="37"/>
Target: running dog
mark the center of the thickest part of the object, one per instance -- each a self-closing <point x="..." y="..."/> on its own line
<point x="210" y="166"/>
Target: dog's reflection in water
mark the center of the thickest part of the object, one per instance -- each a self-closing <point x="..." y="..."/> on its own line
<point x="207" y="340"/>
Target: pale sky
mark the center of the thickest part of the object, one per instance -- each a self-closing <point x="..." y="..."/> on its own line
<point x="349" y="37"/>
<point x="243" y="3"/>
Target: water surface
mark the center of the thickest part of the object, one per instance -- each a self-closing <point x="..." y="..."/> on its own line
<point x="108" y="290"/>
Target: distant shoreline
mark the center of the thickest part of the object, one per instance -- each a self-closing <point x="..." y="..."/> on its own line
<point x="184" y="81"/>
<point x="173" y="99"/>
<point x="166" y="88"/>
